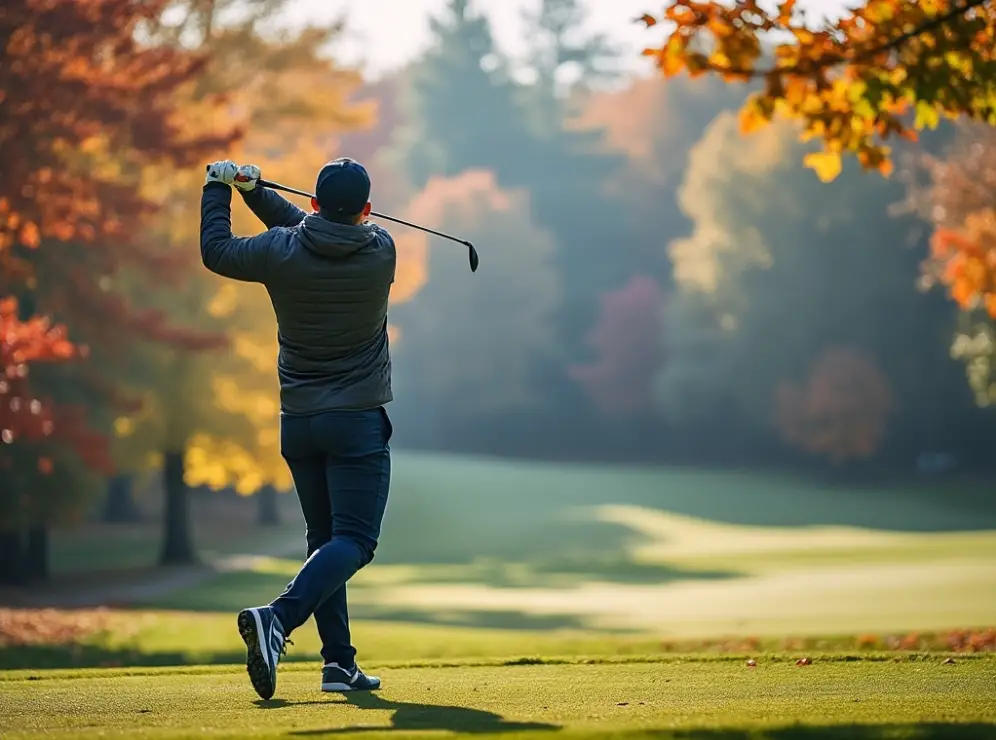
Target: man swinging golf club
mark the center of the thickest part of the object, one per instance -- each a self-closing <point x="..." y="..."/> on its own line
<point x="329" y="275"/>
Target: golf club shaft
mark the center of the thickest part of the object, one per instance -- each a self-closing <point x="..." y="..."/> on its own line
<point x="305" y="194"/>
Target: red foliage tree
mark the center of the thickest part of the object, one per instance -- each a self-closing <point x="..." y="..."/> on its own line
<point x="627" y="340"/>
<point x="32" y="428"/>
<point x="841" y="412"/>
<point x="84" y="104"/>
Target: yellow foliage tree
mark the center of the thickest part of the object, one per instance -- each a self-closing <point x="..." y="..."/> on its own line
<point x="885" y="68"/>
<point x="215" y="420"/>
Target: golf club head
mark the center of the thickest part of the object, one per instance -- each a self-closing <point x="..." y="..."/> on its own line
<point x="474" y="259"/>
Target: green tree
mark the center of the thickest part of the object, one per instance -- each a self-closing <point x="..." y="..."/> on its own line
<point x="460" y="108"/>
<point x="565" y="60"/>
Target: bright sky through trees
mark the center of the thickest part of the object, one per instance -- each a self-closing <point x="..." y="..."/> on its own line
<point x="383" y="34"/>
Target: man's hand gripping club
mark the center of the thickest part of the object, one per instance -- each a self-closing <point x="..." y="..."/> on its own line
<point x="229" y="173"/>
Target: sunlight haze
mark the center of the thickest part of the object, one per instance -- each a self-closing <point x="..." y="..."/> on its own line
<point x="385" y="34"/>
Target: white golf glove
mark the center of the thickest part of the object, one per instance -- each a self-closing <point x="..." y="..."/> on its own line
<point x="221" y="172"/>
<point x="247" y="177"/>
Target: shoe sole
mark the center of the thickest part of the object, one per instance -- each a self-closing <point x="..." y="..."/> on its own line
<point x="339" y="688"/>
<point x="251" y="630"/>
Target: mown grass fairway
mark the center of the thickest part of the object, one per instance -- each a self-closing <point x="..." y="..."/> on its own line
<point x="689" y="699"/>
<point x="645" y="591"/>
<point x="499" y="544"/>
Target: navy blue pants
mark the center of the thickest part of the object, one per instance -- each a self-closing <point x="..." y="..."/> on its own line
<point x="341" y="465"/>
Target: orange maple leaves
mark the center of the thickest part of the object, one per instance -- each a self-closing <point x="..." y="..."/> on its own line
<point x="959" y="200"/>
<point x="22" y="342"/>
<point x="965" y="261"/>
<point x="852" y="83"/>
<point x="27" y="419"/>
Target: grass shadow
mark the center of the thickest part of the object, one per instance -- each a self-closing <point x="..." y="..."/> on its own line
<point x="412" y="717"/>
<point x="483" y="619"/>
<point x="226" y="592"/>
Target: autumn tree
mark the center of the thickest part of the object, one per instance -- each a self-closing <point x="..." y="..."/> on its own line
<point x="85" y="105"/>
<point x="468" y="346"/>
<point x="955" y="192"/>
<point x="840" y="411"/>
<point x="654" y="123"/>
<point x="766" y="284"/>
<point x="32" y="429"/>
<point x="883" y="70"/>
<point x="216" y="422"/>
<point x="627" y="344"/>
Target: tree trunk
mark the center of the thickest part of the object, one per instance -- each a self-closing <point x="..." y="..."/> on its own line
<point x="178" y="545"/>
<point x="268" y="512"/>
<point x="12" y="557"/>
<point x="120" y="507"/>
<point x="36" y="553"/>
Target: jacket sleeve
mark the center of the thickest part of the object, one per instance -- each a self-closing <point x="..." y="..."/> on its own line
<point x="272" y="208"/>
<point x="222" y="252"/>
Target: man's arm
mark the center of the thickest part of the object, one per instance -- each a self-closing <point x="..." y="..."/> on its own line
<point x="272" y="208"/>
<point x="269" y="207"/>
<point x="222" y="252"/>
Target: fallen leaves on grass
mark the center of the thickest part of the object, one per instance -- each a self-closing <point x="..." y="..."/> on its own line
<point x="967" y="641"/>
<point x="952" y="641"/>
<point x="50" y="626"/>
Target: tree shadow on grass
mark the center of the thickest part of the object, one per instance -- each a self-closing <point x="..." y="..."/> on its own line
<point x="412" y="717"/>
<point x="473" y="721"/>
<point x="923" y="731"/>
<point x="477" y="619"/>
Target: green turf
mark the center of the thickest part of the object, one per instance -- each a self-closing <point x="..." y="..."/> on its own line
<point x="127" y="638"/>
<point x="687" y="699"/>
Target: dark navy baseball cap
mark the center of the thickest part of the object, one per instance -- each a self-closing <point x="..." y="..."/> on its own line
<point x="343" y="187"/>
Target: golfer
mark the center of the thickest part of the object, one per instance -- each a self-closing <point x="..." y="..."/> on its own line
<point x="329" y="275"/>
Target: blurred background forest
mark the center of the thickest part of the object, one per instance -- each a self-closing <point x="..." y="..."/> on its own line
<point x="656" y="287"/>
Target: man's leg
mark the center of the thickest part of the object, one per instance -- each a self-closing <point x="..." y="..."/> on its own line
<point x="359" y="482"/>
<point x="263" y="628"/>
<point x="332" y="619"/>
<point x="358" y="477"/>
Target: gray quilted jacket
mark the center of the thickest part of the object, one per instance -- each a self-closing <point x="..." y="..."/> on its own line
<point x="329" y="285"/>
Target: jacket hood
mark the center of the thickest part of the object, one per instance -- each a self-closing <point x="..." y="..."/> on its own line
<point x="331" y="239"/>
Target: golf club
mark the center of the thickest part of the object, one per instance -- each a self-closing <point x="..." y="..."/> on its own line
<point x="474" y="259"/>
